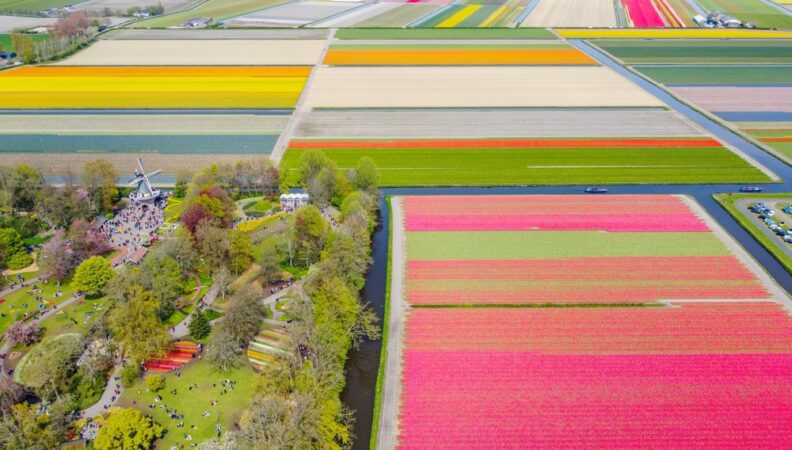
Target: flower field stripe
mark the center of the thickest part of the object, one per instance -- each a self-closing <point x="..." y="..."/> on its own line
<point x="551" y="213"/>
<point x="689" y="328"/>
<point x="510" y="399"/>
<point x="157" y="72"/>
<point x="644" y="14"/>
<point x="511" y="245"/>
<point x="689" y="33"/>
<point x="508" y="143"/>
<point x="458" y="17"/>
<point x="399" y="57"/>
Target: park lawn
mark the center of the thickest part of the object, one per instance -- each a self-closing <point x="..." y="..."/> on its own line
<point x="542" y="166"/>
<point x="728" y="202"/>
<point x="218" y="10"/>
<point x="84" y="311"/>
<point x="478" y="245"/>
<point x="765" y="15"/>
<point x="710" y="74"/>
<point x="193" y="404"/>
<point x="700" y="51"/>
<point x="173" y="210"/>
<point x="20" y="301"/>
<point x="444" y="33"/>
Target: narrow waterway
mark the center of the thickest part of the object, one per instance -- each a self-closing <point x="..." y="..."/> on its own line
<point x="363" y="363"/>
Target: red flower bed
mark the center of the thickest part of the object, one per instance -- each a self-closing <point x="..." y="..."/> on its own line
<point x="623" y="213"/>
<point x="579" y="280"/>
<point x="181" y="353"/>
<point x="644" y="14"/>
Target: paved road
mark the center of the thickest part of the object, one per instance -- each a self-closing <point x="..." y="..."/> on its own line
<point x="391" y="384"/>
<point x="183" y="328"/>
<point x="107" y="397"/>
<point x="9" y="289"/>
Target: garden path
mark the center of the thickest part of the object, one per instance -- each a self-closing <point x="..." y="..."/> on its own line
<point x="111" y="394"/>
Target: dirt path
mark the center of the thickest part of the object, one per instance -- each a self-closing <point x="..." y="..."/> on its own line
<point x="776" y="292"/>
<point x="388" y="432"/>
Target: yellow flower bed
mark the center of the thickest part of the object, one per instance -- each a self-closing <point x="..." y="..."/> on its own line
<point x="252" y="225"/>
<point x="102" y="89"/>
<point x="670" y="33"/>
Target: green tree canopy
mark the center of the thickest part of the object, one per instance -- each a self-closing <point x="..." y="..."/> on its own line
<point x="92" y="275"/>
<point x="136" y="325"/>
<point x="128" y="429"/>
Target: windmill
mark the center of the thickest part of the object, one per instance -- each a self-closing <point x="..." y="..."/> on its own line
<point x="145" y="192"/>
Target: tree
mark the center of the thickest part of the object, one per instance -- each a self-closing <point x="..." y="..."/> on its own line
<point x="56" y="259"/>
<point x="270" y="264"/>
<point x="240" y="254"/>
<point x="240" y="324"/>
<point x="23" y="45"/>
<point x="10" y="393"/>
<point x="195" y="215"/>
<point x="323" y="187"/>
<point x="25" y="428"/>
<point x="99" y="179"/>
<point x="22" y="333"/>
<point x="61" y="206"/>
<point x="222" y="279"/>
<point x="128" y="429"/>
<point x="87" y="240"/>
<point x="11" y="245"/>
<point x="180" y="248"/>
<point x="155" y="383"/>
<point x="50" y="365"/>
<point x="92" y="275"/>
<point x="199" y="326"/>
<point x="309" y="233"/>
<point x="182" y="179"/>
<point x="224" y="352"/>
<point x="96" y="359"/>
<point x="162" y="276"/>
<point x="136" y="325"/>
<point x="366" y="175"/>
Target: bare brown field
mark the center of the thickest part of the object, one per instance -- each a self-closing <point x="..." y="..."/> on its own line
<point x="143" y="123"/>
<point x="123" y="5"/>
<point x="572" y="13"/>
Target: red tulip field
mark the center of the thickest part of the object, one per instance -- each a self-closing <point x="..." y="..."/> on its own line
<point x="586" y="322"/>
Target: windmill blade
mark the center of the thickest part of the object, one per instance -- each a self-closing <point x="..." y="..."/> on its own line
<point x="153" y="174"/>
<point x="135" y="181"/>
<point x="140" y="164"/>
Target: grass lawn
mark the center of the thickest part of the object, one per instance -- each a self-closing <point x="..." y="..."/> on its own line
<point x="173" y="210"/>
<point x="23" y="300"/>
<point x="698" y="51"/>
<point x="718" y="74"/>
<point x="193" y="404"/>
<point x="728" y="202"/>
<point x="32" y="5"/>
<point x="542" y="166"/>
<point x="83" y="311"/>
<point x="474" y="245"/>
<point x="444" y="33"/>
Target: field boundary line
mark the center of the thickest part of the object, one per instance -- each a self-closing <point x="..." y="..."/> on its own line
<point x="285" y="137"/>
<point x="387" y="434"/>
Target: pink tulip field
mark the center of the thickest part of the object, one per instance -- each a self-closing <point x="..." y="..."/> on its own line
<point x="661" y="343"/>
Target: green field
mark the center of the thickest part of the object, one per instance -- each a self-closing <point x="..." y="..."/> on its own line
<point x="542" y="166"/>
<point x="757" y="11"/>
<point x="216" y="9"/>
<point x="728" y="202"/>
<point x="22" y="301"/>
<point x="474" y="245"/>
<point x="193" y="403"/>
<point x="776" y="135"/>
<point x="5" y="40"/>
<point x="33" y="6"/>
<point x="718" y="74"/>
<point x="444" y="33"/>
<point x="699" y="51"/>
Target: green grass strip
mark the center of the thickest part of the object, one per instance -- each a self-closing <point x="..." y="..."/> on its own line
<point x="499" y="245"/>
<point x="444" y="33"/>
<point x="698" y="51"/>
<point x="752" y="75"/>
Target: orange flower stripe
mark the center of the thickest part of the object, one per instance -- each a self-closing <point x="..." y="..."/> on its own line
<point x="450" y="57"/>
<point x="509" y="143"/>
<point x="145" y="71"/>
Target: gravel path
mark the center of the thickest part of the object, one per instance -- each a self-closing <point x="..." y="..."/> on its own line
<point x="388" y="432"/>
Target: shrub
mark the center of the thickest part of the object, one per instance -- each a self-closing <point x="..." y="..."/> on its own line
<point x="155" y="383"/>
<point x="129" y="374"/>
<point x="19" y="261"/>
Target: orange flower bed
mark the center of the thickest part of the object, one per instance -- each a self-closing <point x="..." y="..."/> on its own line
<point x="159" y="72"/>
<point x="510" y="143"/>
<point x="451" y="57"/>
